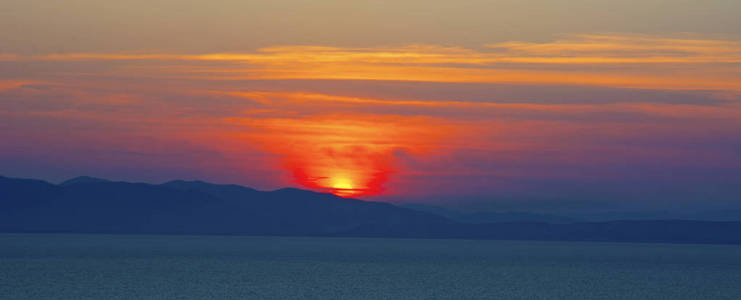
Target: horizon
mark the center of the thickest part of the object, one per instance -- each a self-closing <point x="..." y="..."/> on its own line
<point x="449" y="211"/>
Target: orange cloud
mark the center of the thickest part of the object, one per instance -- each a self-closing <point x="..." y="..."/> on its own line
<point x="624" y="49"/>
<point x="604" y="60"/>
<point x="14" y="84"/>
<point x="292" y="99"/>
<point x="579" y="49"/>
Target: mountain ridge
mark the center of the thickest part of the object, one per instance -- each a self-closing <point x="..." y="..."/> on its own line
<point x="82" y="179"/>
<point x="196" y="207"/>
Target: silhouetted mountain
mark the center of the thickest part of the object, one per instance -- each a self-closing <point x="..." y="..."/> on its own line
<point x="82" y="179"/>
<point x="491" y="217"/>
<point x="448" y="213"/>
<point x="714" y="215"/>
<point x="731" y="215"/>
<point x="194" y="207"/>
<point x="728" y="215"/>
<point x="606" y="216"/>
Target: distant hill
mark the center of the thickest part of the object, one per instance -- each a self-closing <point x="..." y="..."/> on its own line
<point x="89" y="205"/>
<point x="490" y="216"/>
<point x="82" y="179"/>
<point x="483" y="217"/>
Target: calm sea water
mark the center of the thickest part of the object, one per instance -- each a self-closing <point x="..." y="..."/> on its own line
<point x="51" y="266"/>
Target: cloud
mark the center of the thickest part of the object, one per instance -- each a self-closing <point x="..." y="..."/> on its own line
<point x="602" y="60"/>
<point x="14" y="84"/>
<point x="577" y="49"/>
<point x="317" y="103"/>
<point x="633" y="49"/>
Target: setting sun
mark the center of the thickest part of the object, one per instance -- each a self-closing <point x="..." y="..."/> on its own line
<point x="341" y="183"/>
<point x="346" y="155"/>
<point x="343" y="187"/>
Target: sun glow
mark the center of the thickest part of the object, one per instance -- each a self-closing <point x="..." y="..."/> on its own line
<point x="346" y="155"/>
<point x="342" y="183"/>
<point x="344" y="187"/>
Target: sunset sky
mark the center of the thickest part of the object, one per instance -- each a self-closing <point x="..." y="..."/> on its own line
<point x="494" y="105"/>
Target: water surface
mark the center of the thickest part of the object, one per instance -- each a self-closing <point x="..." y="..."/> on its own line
<point x="64" y="266"/>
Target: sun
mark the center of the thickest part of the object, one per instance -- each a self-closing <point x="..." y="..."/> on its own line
<point x="343" y="187"/>
<point x="342" y="183"/>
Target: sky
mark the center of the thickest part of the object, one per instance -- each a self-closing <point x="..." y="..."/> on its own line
<point x="479" y="105"/>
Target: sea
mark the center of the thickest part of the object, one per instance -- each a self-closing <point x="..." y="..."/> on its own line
<point x="98" y="266"/>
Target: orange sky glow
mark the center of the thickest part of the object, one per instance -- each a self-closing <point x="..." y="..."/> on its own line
<point x="347" y="155"/>
<point x="388" y="120"/>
